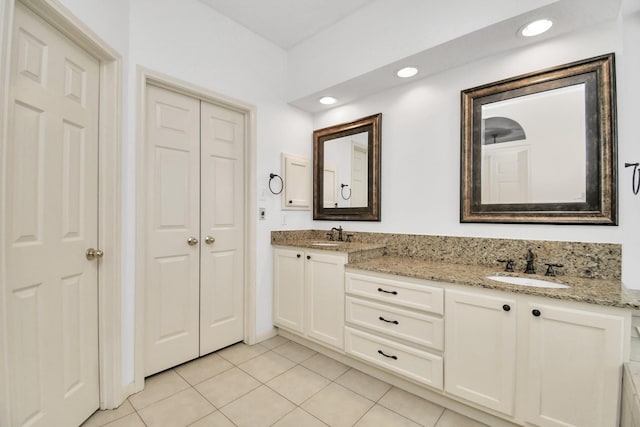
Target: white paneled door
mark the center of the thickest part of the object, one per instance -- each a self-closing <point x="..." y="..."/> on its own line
<point x="173" y="253"/>
<point x="51" y="220"/>
<point x="194" y="291"/>
<point x="222" y="228"/>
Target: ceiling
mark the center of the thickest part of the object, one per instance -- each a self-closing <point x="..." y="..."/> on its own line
<point x="287" y="22"/>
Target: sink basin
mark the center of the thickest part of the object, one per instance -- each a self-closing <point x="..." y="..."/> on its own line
<point x="526" y="281"/>
<point x="326" y="244"/>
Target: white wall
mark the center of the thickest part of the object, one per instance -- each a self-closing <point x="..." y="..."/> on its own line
<point x="421" y="144"/>
<point x="369" y="39"/>
<point x="628" y="88"/>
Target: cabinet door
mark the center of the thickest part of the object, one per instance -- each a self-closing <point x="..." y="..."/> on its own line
<point x="288" y="289"/>
<point x="480" y="349"/>
<point x="325" y="298"/>
<point x="297" y="183"/>
<point x="575" y="365"/>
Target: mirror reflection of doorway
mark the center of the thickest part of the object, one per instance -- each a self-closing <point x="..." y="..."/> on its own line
<point x="505" y="173"/>
<point x="330" y="199"/>
<point x="359" y="174"/>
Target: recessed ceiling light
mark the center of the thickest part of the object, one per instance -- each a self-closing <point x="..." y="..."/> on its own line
<point x="406" y="72"/>
<point x="327" y="100"/>
<point x="536" y="27"/>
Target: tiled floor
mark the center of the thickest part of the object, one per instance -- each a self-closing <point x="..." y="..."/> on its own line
<point x="275" y="383"/>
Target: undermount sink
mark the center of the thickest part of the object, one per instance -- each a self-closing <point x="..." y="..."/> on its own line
<point x="526" y="281"/>
<point x="328" y="244"/>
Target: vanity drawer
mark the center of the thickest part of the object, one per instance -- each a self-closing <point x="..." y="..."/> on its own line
<point x="412" y="295"/>
<point x="407" y="325"/>
<point x="421" y="366"/>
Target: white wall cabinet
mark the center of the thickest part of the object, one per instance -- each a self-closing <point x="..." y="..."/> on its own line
<point x="297" y="183"/>
<point x="309" y="294"/>
<point x="480" y="357"/>
<point x="571" y="358"/>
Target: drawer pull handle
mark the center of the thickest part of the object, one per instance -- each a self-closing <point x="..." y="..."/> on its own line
<point x="395" y="322"/>
<point x="386" y="355"/>
<point x="387" y="292"/>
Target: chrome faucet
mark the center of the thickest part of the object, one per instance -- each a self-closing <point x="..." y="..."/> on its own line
<point x="339" y="230"/>
<point x="530" y="269"/>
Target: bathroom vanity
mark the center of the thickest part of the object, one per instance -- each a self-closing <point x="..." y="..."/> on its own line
<point x="524" y="355"/>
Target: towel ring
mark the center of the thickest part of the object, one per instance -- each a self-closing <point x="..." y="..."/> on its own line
<point x="342" y="186"/>
<point x="271" y="176"/>
<point x="635" y="179"/>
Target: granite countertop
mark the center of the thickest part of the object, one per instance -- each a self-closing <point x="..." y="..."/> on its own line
<point x="326" y="245"/>
<point x="594" y="291"/>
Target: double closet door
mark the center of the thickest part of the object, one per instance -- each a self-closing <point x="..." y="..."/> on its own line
<point x="194" y="291"/>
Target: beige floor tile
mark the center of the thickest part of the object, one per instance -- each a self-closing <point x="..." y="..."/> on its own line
<point x="453" y="419"/>
<point x="158" y="387"/>
<point x="294" y="351"/>
<point x="227" y="386"/>
<point x="363" y="384"/>
<point x="299" y="418"/>
<point x="131" y="420"/>
<point x="203" y="368"/>
<point x="266" y="366"/>
<point x="325" y="366"/>
<point x="298" y="384"/>
<point x="411" y="406"/>
<point x="337" y="406"/>
<point x="178" y="410"/>
<point x="241" y="352"/>
<point x="381" y="416"/>
<point x="274" y="342"/>
<point x="217" y="419"/>
<point x="261" y="407"/>
<point x="100" y="418"/>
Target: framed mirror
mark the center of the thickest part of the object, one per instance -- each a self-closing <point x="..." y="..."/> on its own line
<point x="541" y="147"/>
<point x="346" y="171"/>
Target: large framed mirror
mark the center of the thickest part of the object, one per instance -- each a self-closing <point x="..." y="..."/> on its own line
<point x="346" y="171"/>
<point x="541" y="147"/>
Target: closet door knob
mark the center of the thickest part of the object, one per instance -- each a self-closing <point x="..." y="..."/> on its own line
<point x="92" y="254"/>
<point x="209" y="240"/>
<point x="192" y="241"/>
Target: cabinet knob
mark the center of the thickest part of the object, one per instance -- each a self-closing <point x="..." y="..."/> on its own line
<point x="290" y="202"/>
<point x="298" y="255"/>
<point x="536" y="312"/>
<point x="308" y="256"/>
<point x="506" y="307"/>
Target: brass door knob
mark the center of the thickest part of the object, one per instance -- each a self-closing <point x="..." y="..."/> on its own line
<point x="209" y="240"/>
<point x="92" y="254"/>
<point x="192" y="241"/>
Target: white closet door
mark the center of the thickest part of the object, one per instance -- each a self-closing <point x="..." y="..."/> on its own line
<point x="173" y="215"/>
<point x="222" y="228"/>
<point x="51" y="220"/>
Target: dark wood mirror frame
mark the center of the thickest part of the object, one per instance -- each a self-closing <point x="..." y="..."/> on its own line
<point x="598" y="75"/>
<point x="371" y="212"/>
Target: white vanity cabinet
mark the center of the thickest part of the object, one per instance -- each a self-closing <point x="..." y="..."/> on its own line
<point x="480" y="359"/>
<point x="396" y="324"/>
<point x="574" y="360"/>
<point x="309" y="294"/>
<point x="544" y="362"/>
